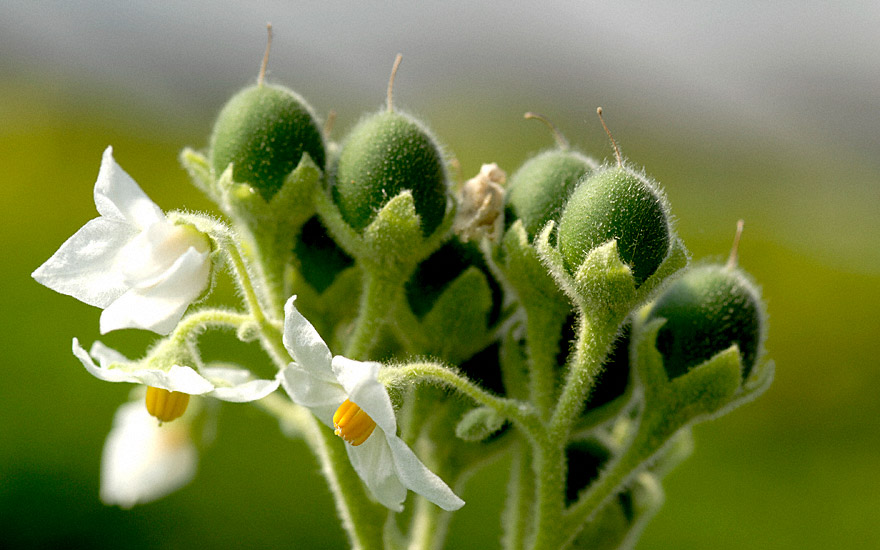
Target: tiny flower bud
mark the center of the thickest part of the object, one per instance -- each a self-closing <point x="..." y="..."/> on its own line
<point x="481" y="205"/>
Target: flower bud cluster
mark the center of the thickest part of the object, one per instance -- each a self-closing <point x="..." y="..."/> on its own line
<point x="551" y="317"/>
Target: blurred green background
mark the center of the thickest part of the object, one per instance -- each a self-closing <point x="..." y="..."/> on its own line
<point x="740" y="111"/>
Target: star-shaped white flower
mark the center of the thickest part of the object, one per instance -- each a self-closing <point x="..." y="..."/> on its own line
<point x="143" y="461"/>
<point x="131" y="261"/>
<point x="336" y="389"/>
<point x="224" y="383"/>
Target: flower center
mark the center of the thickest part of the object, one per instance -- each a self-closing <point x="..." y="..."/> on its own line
<point x="166" y="405"/>
<point x="352" y="424"/>
<point x="146" y="258"/>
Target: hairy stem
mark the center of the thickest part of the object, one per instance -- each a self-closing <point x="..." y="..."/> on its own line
<point x="517" y="412"/>
<point x="378" y="301"/>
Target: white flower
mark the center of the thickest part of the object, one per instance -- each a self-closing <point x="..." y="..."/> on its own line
<point x="143" y="461"/>
<point x="333" y="386"/>
<point x="131" y="261"/>
<point x="227" y="384"/>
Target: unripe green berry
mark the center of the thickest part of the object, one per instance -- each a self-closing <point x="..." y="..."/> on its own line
<point x="387" y="153"/>
<point x="264" y="131"/>
<point x="538" y="190"/>
<point x="708" y="309"/>
<point x="615" y="203"/>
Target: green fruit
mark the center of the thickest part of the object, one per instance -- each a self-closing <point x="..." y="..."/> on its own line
<point x="385" y="154"/>
<point x="264" y="131"/>
<point x="615" y="203"/>
<point x="538" y="190"/>
<point x="707" y="310"/>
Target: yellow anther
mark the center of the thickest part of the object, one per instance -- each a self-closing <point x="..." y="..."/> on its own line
<point x="352" y="424"/>
<point x="166" y="405"/>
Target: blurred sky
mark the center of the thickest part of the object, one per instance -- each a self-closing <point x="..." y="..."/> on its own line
<point x="771" y="110"/>
<point x="784" y="76"/>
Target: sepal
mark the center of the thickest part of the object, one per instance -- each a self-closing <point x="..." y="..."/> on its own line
<point x="707" y="391"/>
<point x="603" y="281"/>
<point x="602" y="285"/>
<point x="393" y="243"/>
<point x="199" y="170"/>
<point x="287" y="210"/>
<point x="524" y="271"/>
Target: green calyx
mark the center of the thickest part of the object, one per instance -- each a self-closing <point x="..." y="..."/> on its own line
<point x="263" y="132"/>
<point x="538" y="190"/>
<point x="385" y="154"/>
<point x="616" y="204"/>
<point x="707" y="310"/>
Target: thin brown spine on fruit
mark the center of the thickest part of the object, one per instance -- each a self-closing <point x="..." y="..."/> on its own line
<point x="397" y="61"/>
<point x="328" y="124"/>
<point x="557" y="135"/>
<point x="613" y="142"/>
<point x="265" y="62"/>
<point x="734" y="251"/>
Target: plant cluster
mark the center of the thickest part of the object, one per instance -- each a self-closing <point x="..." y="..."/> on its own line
<point x="419" y="328"/>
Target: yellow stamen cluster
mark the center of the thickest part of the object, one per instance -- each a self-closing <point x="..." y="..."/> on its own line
<point x="352" y="424"/>
<point x="166" y="405"/>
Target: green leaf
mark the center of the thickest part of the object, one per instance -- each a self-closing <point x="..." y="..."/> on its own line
<point x="459" y="318"/>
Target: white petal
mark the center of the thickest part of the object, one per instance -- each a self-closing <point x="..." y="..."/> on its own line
<point x="119" y="198"/>
<point x="146" y="259"/>
<point x="249" y="391"/>
<point x="232" y="376"/>
<point x="106" y="356"/>
<point x="313" y="392"/>
<point x="102" y="372"/>
<point x="305" y="344"/>
<point x="177" y="378"/>
<point x="359" y="379"/>
<point x="374" y="464"/>
<point x="84" y="266"/>
<point x="417" y="477"/>
<point x="142" y="461"/>
<point x="160" y="307"/>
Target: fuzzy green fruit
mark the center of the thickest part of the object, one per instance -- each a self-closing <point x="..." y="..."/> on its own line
<point x="264" y="131"/>
<point x="385" y="154"/>
<point x="615" y="203"/>
<point x="708" y="309"/>
<point x="538" y="190"/>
